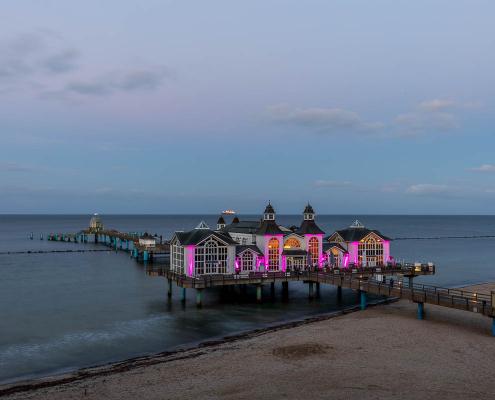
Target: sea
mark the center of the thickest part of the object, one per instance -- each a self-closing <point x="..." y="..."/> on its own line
<point x="63" y="311"/>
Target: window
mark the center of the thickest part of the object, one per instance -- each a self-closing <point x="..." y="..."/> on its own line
<point x="211" y="258"/>
<point x="177" y="257"/>
<point x="314" y="250"/>
<point x="247" y="261"/>
<point x="370" y="252"/>
<point x="273" y="254"/>
<point x="334" y="258"/>
<point x="292" y="243"/>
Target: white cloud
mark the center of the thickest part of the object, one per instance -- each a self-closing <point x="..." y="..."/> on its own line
<point x="484" y="168"/>
<point x="331" y="184"/>
<point x="427" y="189"/>
<point x="325" y="120"/>
<point x="436" y="105"/>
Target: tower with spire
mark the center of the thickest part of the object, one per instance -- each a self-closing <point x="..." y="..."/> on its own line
<point x="220" y="223"/>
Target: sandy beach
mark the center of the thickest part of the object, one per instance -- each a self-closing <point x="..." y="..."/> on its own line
<point x="383" y="352"/>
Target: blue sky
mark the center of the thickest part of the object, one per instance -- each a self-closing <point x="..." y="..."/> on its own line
<point x="193" y="107"/>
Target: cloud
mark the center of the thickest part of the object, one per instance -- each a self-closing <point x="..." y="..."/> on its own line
<point x="14" y="167"/>
<point x="144" y="79"/>
<point x="62" y="61"/>
<point x="325" y="120"/>
<point x="321" y="183"/>
<point x="429" y="115"/>
<point x="35" y="53"/>
<point x="428" y="189"/>
<point x="436" y="105"/>
<point x="484" y="168"/>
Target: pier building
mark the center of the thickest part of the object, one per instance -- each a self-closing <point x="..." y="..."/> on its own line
<point x="247" y="246"/>
<point x="358" y="245"/>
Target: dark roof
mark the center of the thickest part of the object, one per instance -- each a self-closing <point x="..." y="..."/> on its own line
<point x="328" y="245"/>
<point x="294" y="252"/>
<point x="309" y="228"/>
<point x="198" y="235"/>
<point x="242" y="227"/>
<point x="356" y="234"/>
<point x="235" y="220"/>
<point x="220" y="220"/>
<point x="269" y="209"/>
<point x="269" y="228"/>
<point x="147" y="236"/>
<point x="309" y="209"/>
<point x="253" y="247"/>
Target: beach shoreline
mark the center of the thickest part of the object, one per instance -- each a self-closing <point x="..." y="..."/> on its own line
<point x="365" y="354"/>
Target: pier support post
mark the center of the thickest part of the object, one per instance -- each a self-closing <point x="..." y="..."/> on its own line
<point x="317" y="290"/>
<point x="259" y="293"/>
<point x="339" y="293"/>
<point x="421" y="311"/>
<point x="493" y="326"/>
<point x="285" y="289"/>
<point x="411" y="282"/>
<point x="169" y="291"/>
<point x="183" y="295"/>
<point x="145" y="256"/>
<point x="363" y="299"/>
<point x="311" y="292"/>
<point x="127" y="245"/>
<point x="272" y="289"/>
<point x="199" y="298"/>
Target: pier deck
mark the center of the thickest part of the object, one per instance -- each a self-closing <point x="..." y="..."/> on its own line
<point x="363" y="281"/>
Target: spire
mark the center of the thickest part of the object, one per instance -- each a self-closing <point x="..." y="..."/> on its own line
<point x="309" y="213"/>
<point x="269" y="214"/>
<point x="220" y="223"/>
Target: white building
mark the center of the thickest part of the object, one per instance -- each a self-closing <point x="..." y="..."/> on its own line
<point x="358" y="246"/>
<point x="245" y="246"/>
<point x="147" y="241"/>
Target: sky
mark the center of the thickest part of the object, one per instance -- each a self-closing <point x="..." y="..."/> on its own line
<point x="170" y="107"/>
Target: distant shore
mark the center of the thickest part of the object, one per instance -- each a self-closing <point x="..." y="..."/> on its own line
<point x="383" y="352"/>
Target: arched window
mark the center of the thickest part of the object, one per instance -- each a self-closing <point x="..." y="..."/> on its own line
<point x="247" y="261"/>
<point x="370" y="252"/>
<point x="292" y="243"/>
<point x="273" y="255"/>
<point x="314" y="252"/>
<point x="211" y="258"/>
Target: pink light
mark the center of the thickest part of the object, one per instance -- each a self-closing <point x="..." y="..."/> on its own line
<point x="284" y="263"/>
<point x="237" y="267"/>
<point x="190" y="259"/>
<point x="346" y="260"/>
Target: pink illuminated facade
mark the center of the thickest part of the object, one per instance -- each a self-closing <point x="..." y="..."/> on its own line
<point x="243" y="247"/>
<point x="358" y="246"/>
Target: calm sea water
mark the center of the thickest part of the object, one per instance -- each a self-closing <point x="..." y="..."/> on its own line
<point x="60" y="312"/>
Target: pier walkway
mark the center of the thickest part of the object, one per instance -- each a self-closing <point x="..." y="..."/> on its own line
<point x="370" y="281"/>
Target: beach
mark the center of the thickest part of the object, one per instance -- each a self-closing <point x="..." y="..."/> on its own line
<point x="383" y="352"/>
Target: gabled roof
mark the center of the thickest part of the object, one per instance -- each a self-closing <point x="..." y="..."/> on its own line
<point x="196" y="236"/>
<point x="357" y="234"/>
<point x="243" y="248"/>
<point x="221" y="220"/>
<point x="309" y="228"/>
<point x="270" y="228"/>
<point x="242" y="227"/>
<point x="328" y="245"/>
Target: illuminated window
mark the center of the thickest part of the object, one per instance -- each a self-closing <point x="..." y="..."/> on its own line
<point x="247" y="261"/>
<point x="314" y="250"/>
<point x="370" y="252"/>
<point x="273" y="255"/>
<point x="211" y="258"/>
<point x="334" y="258"/>
<point x="292" y="243"/>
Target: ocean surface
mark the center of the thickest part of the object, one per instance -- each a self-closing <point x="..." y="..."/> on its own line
<point x="63" y="311"/>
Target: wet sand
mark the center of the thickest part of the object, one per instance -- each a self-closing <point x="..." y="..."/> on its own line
<point x="381" y="353"/>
